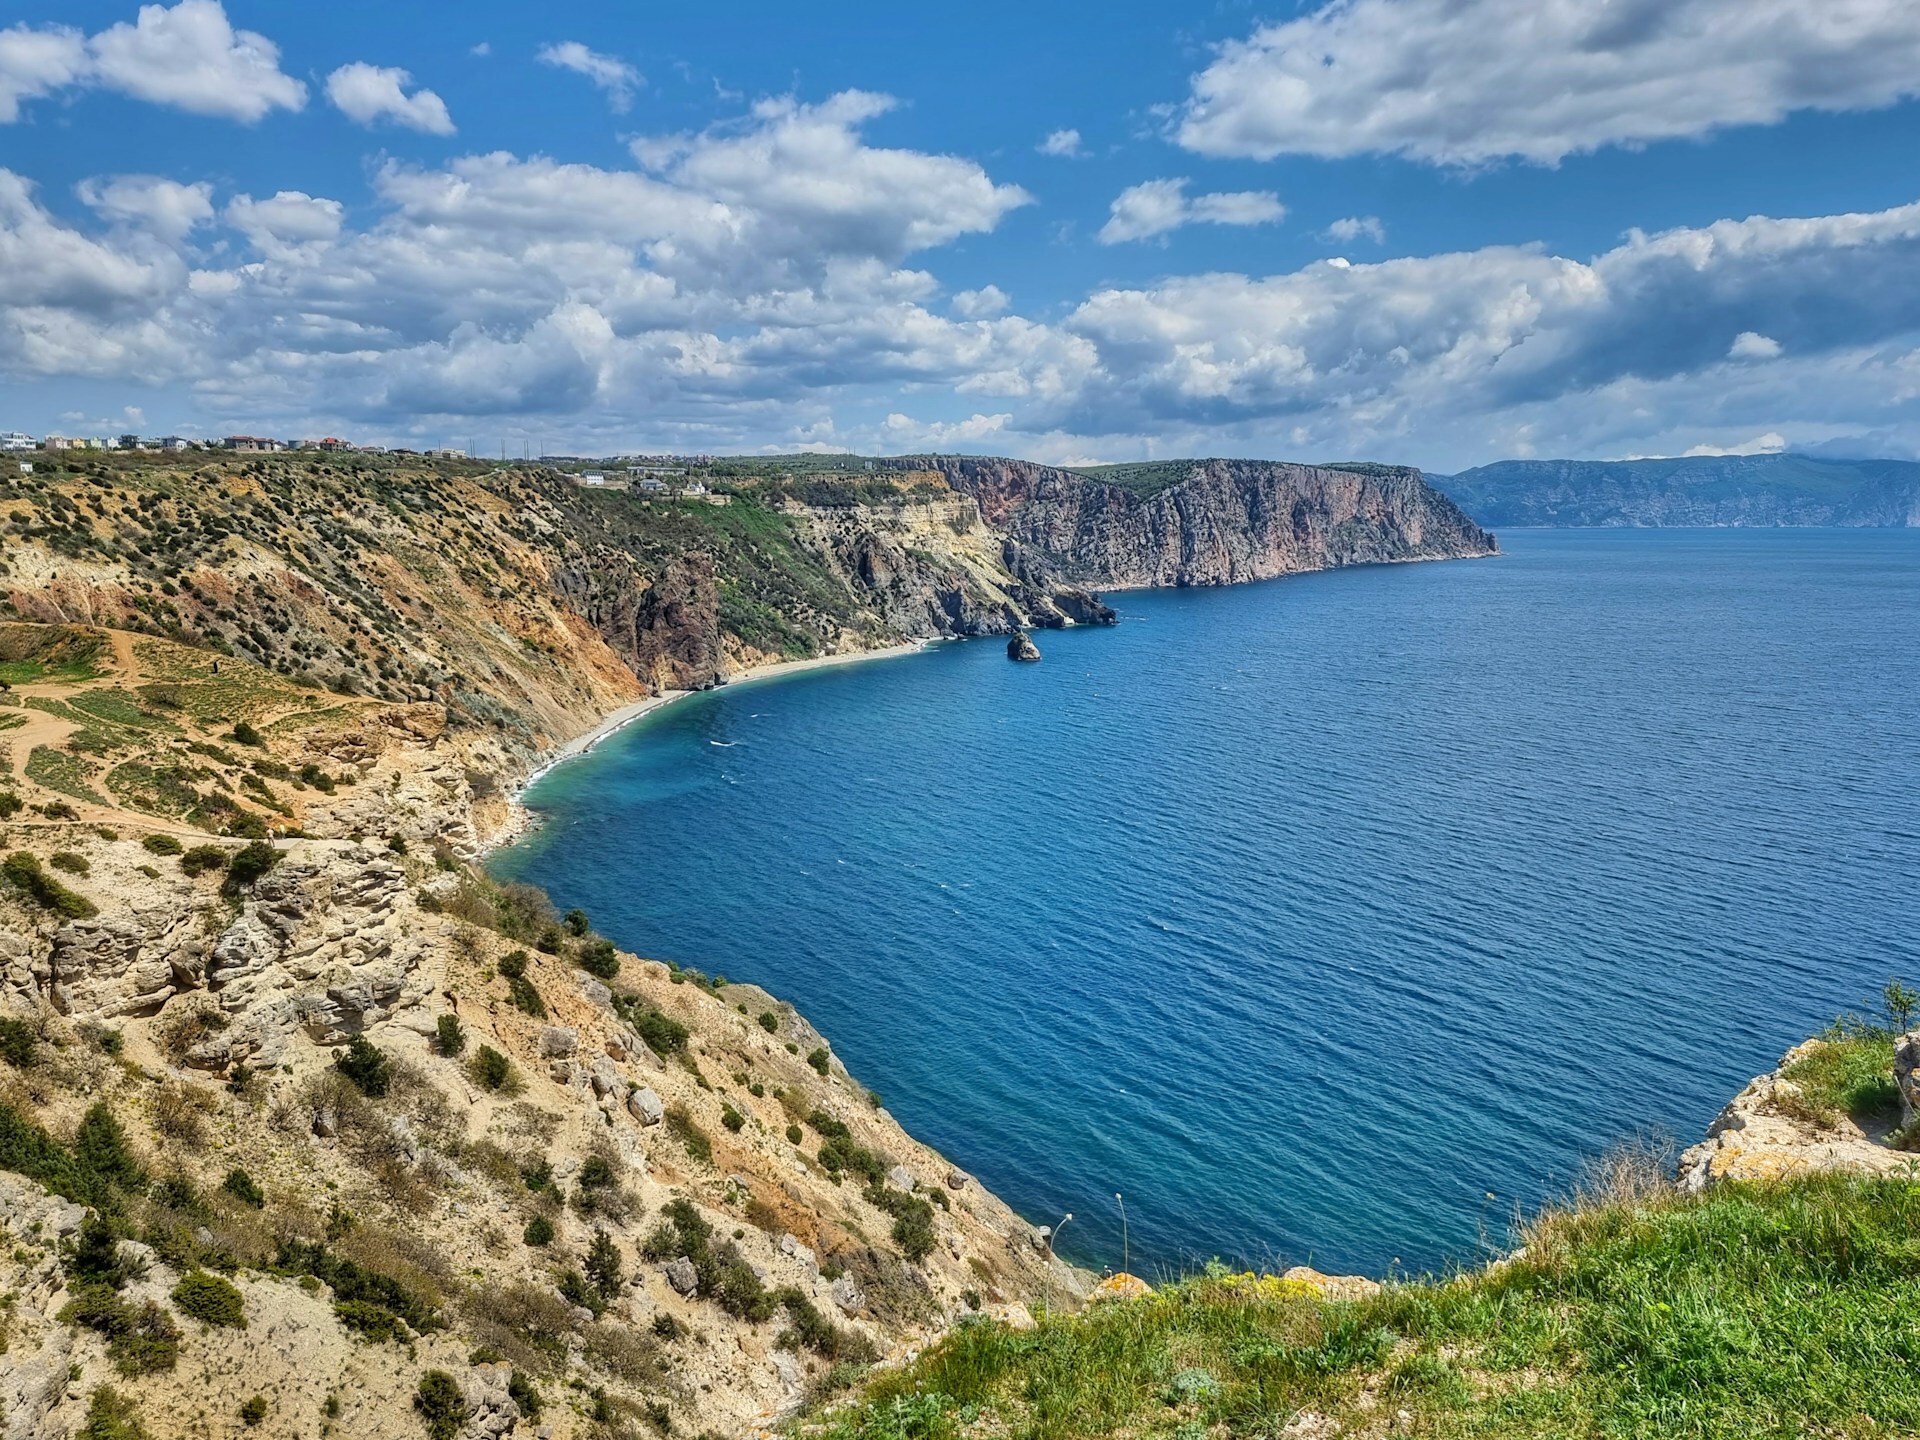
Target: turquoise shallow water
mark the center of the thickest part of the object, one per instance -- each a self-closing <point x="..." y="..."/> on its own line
<point x="1328" y="919"/>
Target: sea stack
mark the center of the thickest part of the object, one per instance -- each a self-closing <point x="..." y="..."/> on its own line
<point x="1021" y="647"/>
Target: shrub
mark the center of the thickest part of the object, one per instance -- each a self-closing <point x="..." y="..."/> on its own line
<point x="111" y="1417"/>
<point x="818" y="1059"/>
<point x="795" y="1134"/>
<point x="70" y="862"/>
<point x="603" y="1266"/>
<point x="253" y="1411"/>
<point x="575" y="1290"/>
<point x="22" y="870"/>
<point x="210" y="1300"/>
<point x="449" y="1036"/>
<point x="596" y="1172"/>
<point x="575" y="923"/>
<point x="162" y="844"/>
<point x="19" y="1046"/>
<point x="731" y="1118"/>
<point x="102" y="1159"/>
<point x="912" y="1220"/>
<point x="524" y="997"/>
<point x="597" y="957"/>
<point x="369" y="1070"/>
<point x="769" y="1022"/>
<point x="490" y="1069"/>
<point x="513" y="964"/>
<point x="724" y="1274"/>
<point x="682" y="1124"/>
<point x="661" y="1034"/>
<point x="539" y="1231"/>
<point x="524" y="1393"/>
<point x="248" y="864"/>
<point x="203" y="858"/>
<point x="243" y="1188"/>
<point x="244" y="734"/>
<point x="442" y="1406"/>
<point x="10" y="804"/>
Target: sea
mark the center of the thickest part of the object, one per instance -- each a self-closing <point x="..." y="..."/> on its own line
<point x="1342" y="919"/>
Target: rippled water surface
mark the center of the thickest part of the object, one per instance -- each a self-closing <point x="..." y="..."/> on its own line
<point x="1329" y="918"/>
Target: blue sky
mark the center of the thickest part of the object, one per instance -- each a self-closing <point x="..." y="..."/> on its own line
<point x="1432" y="231"/>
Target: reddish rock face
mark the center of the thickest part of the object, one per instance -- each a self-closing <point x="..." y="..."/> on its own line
<point x="1223" y="522"/>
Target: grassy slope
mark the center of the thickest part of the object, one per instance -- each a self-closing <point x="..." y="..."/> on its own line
<point x="1746" y="1312"/>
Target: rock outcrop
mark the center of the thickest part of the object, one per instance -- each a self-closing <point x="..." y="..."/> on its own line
<point x="1215" y="522"/>
<point x="1766" y="1133"/>
<point x="1021" y="647"/>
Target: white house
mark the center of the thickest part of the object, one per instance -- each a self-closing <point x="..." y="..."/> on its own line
<point x="14" y="440"/>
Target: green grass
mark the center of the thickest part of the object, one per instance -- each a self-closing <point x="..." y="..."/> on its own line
<point x="1749" y="1312"/>
<point x="1848" y="1071"/>
<point x="1145" y="479"/>
<point x="68" y="774"/>
<point x="37" y="654"/>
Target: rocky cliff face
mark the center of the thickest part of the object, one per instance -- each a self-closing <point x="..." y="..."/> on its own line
<point x="666" y="1200"/>
<point x="1743" y="490"/>
<point x="1218" y="522"/>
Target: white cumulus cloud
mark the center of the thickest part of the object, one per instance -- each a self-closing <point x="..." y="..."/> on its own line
<point x="1063" y="144"/>
<point x="369" y="94"/>
<point x="166" y="208"/>
<point x="192" y="58"/>
<point x="1155" y="207"/>
<point x="1466" y="82"/>
<point x="1750" y="345"/>
<point x="611" y="74"/>
<point x="38" y="62"/>
<point x="1349" y="228"/>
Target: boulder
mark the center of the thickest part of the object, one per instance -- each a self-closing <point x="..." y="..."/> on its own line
<point x="1906" y="1075"/>
<point x="1021" y="647"/>
<point x="491" y="1411"/>
<point x="645" y="1106"/>
<point x="847" y="1295"/>
<point x="901" y="1178"/>
<point x="559" y="1041"/>
<point x="605" y="1077"/>
<point x="682" y="1276"/>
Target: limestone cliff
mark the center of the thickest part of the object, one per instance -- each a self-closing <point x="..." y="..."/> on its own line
<point x="1213" y="522"/>
<point x="605" y="1197"/>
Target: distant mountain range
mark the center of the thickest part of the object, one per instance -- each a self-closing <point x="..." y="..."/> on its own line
<point x="1698" y="490"/>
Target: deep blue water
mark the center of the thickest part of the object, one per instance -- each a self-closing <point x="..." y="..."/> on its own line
<point x="1330" y="918"/>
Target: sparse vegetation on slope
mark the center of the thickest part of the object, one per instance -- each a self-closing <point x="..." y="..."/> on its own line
<point x="1748" y="1312"/>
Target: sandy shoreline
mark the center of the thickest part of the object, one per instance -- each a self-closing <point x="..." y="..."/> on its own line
<point x="619" y="719"/>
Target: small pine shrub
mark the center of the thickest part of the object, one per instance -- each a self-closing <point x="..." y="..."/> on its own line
<point x="449" y="1036"/>
<point x="248" y="864"/>
<point x="244" y="1188"/>
<point x="603" y="1266"/>
<point x="211" y="1300"/>
<point x="769" y="1022"/>
<point x="731" y="1118"/>
<point x="442" y="1406"/>
<point x="818" y="1059"/>
<point x="539" y="1231"/>
<point x="70" y="862"/>
<point x="19" y="1046"/>
<point x="795" y="1134"/>
<point x="162" y="844"/>
<point x="597" y="957"/>
<point x="253" y="1411"/>
<point x="490" y="1069"/>
<point x="369" y="1070"/>
<point x="244" y="734"/>
<point x="203" y="858"/>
